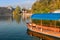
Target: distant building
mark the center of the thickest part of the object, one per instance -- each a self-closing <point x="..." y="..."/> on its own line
<point x="57" y="11"/>
<point x="24" y="11"/>
<point x="10" y="8"/>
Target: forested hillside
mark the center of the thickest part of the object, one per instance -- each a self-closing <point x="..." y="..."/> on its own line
<point x="45" y="6"/>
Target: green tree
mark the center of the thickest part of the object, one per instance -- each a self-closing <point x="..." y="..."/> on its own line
<point x="17" y="10"/>
<point x="16" y="13"/>
<point x="45" y="6"/>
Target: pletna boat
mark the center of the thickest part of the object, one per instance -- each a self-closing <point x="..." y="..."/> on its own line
<point x="41" y="36"/>
<point x="51" y="30"/>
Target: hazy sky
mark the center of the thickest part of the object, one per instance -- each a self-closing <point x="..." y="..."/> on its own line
<point x="14" y="3"/>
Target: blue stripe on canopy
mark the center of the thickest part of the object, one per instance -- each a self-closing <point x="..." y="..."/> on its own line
<point x="50" y="16"/>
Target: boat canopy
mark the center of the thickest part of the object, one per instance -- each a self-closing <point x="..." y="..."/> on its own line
<point x="48" y="16"/>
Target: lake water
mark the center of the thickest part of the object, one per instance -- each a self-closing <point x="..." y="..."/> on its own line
<point x="16" y="29"/>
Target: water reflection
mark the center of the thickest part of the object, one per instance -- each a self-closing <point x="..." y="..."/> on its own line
<point x="17" y="18"/>
<point x="12" y="30"/>
<point x="5" y="18"/>
<point x="40" y="36"/>
<point x="17" y="29"/>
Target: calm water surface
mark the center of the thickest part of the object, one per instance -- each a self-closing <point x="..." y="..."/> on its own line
<point x="16" y="29"/>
